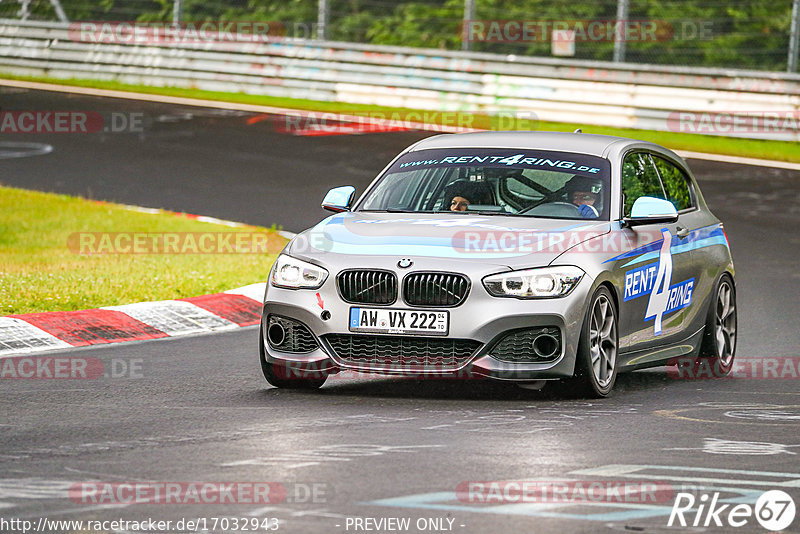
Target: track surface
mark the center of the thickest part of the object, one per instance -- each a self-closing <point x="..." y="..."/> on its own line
<point x="384" y="447"/>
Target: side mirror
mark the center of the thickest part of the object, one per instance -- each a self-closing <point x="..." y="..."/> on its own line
<point x="651" y="210"/>
<point x="339" y="198"/>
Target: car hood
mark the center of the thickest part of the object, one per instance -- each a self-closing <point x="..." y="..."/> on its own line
<point x="495" y="239"/>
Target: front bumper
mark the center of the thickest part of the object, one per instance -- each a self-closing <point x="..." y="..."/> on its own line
<point x="481" y="317"/>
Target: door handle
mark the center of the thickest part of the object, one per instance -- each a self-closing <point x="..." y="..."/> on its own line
<point x="681" y="232"/>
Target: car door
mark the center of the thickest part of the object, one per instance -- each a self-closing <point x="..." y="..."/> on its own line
<point x="699" y="225"/>
<point x="658" y="276"/>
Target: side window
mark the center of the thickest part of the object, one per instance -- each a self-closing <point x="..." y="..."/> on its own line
<point x="676" y="183"/>
<point x="639" y="179"/>
<point x="391" y="194"/>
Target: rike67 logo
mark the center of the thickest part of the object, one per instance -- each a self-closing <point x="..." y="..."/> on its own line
<point x="774" y="510"/>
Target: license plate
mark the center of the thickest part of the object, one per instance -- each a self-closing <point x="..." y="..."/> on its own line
<point x="397" y="321"/>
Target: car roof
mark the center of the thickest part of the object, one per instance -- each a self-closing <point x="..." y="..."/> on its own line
<point x="597" y="145"/>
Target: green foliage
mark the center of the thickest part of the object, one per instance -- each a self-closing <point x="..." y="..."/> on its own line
<point x="420" y="24"/>
<point x="735" y="33"/>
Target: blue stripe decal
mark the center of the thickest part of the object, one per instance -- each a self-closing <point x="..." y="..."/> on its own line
<point x="700" y="238"/>
<point x="415" y="249"/>
<point x="694" y="245"/>
<point x="655" y="246"/>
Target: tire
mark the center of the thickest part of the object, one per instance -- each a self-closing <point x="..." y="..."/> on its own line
<point x="596" y="359"/>
<point x="279" y="379"/>
<point x="718" y="348"/>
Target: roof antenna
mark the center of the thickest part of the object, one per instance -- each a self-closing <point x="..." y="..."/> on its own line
<point x="578" y="130"/>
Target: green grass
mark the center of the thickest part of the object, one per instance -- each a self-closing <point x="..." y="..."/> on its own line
<point x="754" y="148"/>
<point x="40" y="272"/>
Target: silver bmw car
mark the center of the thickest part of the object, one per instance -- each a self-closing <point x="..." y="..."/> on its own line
<point x="518" y="256"/>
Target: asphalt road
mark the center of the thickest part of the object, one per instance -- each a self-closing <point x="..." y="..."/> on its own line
<point x="197" y="409"/>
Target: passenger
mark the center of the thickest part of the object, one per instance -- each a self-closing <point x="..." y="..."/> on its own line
<point x="581" y="193"/>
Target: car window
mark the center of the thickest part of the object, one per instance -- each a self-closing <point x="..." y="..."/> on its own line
<point x="495" y="181"/>
<point x="639" y="179"/>
<point x="676" y="183"/>
<point x="397" y="191"/>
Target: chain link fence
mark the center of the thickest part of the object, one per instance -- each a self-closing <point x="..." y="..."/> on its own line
<point x="743" y="34"/>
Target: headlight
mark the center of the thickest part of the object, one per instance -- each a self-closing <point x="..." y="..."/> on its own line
<point x="294" y="273"/>
<point x="534" y="283"/>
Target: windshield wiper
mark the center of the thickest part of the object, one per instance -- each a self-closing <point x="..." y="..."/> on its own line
<point x="474" y="212"/>
<point x="389" y="210"/>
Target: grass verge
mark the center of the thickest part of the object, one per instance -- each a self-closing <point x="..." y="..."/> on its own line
<point x="753" y="148"/>
<point x="42" y="267"/>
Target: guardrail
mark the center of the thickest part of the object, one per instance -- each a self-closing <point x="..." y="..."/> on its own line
<point x="718" y="101"/>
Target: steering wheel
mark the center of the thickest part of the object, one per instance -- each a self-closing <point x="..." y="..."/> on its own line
<point x="558" y="209"/>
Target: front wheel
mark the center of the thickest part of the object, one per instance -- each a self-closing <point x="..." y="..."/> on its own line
<point x="279" y="377"/>
<point x="718" y="348"/>
<point x="596" y="361"/>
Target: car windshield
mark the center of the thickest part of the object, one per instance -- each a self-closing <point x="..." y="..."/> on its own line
<point x="531" y="183"/>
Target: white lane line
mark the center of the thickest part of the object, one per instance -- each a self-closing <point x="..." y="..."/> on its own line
<point x="295" y="112"/>
<point x="12" y="149"/>
<point x="223" y="222"/>
<point x="198" y="102"/>
<point x="174" y="318"/>
<point x="142" y="209"/>
<point x="253" y="291"/>
<point x="18" y="337"/>
<point x="740" y="160"/>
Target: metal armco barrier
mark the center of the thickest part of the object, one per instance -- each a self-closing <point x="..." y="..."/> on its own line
<point x="715" y="101"/>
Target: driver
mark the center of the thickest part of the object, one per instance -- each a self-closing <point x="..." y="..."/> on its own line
<point x="459" y="203"/>
<point x="583" y="192"/>
<point x="463" y="193"/>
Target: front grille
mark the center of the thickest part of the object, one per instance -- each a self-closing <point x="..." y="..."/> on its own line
<point x="435" y="289"/>
<point x="402" y="351"/>
<point x="518" y="346"/>
<point x="297" y="337"/>
<point x="367" y="287"/>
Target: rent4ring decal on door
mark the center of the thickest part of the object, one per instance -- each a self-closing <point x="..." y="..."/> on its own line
<point x="654" y="279"/>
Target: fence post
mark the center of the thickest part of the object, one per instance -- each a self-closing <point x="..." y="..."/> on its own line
<point x="619" y="33"/>
<point x="177" y="11"/>
<point x="24" y="9"/>
<point x="469" y="14"/>
<point x="794" y="38"/>
<point x="322" y="20"/>
<point x="59" y="10"/>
